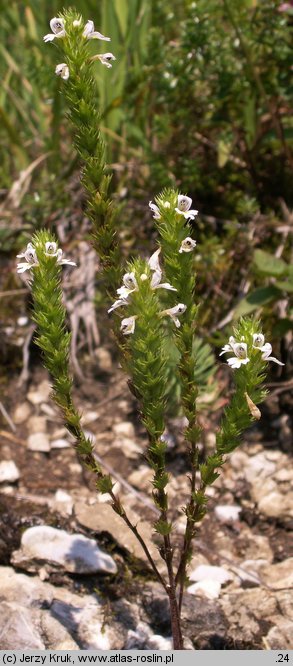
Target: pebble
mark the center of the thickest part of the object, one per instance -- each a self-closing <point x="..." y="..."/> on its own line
<point x="22" y="321"/>
<point x="279" y="575"/>
<point x="89" y="417"/>
<point x="41" y="394"/>
<point x="276" y="505"/>
<point x="128" y="446"/>
<point x="227" y="513"/>
<point x="210" y="589"/>
<point x="259" y="467"/>
<point x="60" y="444"/>
<point x="142" y="638"/>
<point x="38" y="441"/>
<point x="21" y="413"/>
<point x="212" y="573"/>
<point x="62" y="502"/>
<point x="104" y="359"/>
<point x="141" y="478"/>
<point x="124" y="429"/>
<point x="73" y="552"/>
<point x="37" y="424"/>
<point x="9" y="473"/>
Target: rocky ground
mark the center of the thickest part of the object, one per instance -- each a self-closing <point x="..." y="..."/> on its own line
<point x="71" y="575"/>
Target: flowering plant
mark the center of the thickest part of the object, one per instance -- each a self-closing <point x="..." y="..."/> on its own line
<point x="158" y="303"/>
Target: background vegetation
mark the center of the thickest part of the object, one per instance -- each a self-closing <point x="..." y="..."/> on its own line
<point x="199" y="98"/>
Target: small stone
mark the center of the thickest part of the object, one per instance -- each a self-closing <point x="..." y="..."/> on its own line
<point x="210" y="589"/>
<point x="36" y="397"/>
<point x="73" y="552"/>
<point x="227" y="513"/>
<point x="89" y="417"/>
<point x="285" y="474"/>
<point x="141" y="478"/>
<point x="143" y="639"/>
<point x="279" y="575"/>
<point x="276" y="505"/>
<point x="104" y="359"/>
<point x="246" y="575"/>
<point x="60" y="444"/>
<point x="37" y="424"/>
<point x="208" y="572"/>
<point x="38" y="441"/>
<point x="274" y="456"/>
<point x="48" y="409"/>
<point x="129" y="447"/>
<point x="258" y="467"/>
<point x="21" y="413"/>
<point x="8" y="471"/>
<point x="22" y="321"/>
<point x="124" y="429"/>
<point x="62" y="502"/>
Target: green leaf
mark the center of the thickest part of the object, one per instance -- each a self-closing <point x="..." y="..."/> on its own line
<point x="122" y="8"/>
<point x="284" y="286"/>
<point x="256" y="299"/>
<point x="224" y="151"/>
<point x="268" y="264"/>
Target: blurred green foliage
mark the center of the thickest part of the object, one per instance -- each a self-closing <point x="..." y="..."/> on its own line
<point x="213" y="102"/>
<point x="199" y="98"/>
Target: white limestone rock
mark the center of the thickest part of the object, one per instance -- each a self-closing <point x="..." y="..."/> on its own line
<point x="9" y="473"/>
<point x="38" y="441"/>
<point x="73" y="552"/>
<point x="227" y="513"/>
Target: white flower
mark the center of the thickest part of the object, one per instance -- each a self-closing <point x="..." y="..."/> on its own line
<point x="258" y="340"/>
<point x="167" y="204"/>
<point x="155" y="210"/>
<point x="229" y="347"/>
<point x="127" y="325"/>
<point x="187" y="245"/>
<point x="154" y="265"/>
<point x="61" y="261"/>
<point x="118" y="304"/>
<point x="129" y="285"/>
<point x="153" y="261"/>
<point x="265" y="348"/>
<point x="51" y="249"/>
<point x="173" y="312"/>
<point x="90" y="33"/>
<point x="30" y="257"/>
<point x="57" y="27"/>
<point x="240" y="358"/>
<point x="183" y="207"/>
<point x="77" y="23"/>
<point x="62" y="70"/>
<point x="105" y="58"/>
